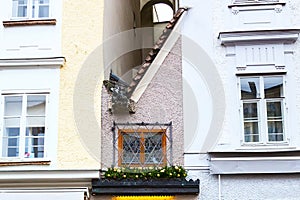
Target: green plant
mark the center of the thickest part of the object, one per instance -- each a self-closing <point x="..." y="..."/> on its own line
<point x="146" y="172"/>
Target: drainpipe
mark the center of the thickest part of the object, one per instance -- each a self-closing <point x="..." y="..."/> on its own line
<point x="220" y="195"/>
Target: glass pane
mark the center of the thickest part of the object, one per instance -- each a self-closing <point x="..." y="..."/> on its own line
<point x="36" y="105"/>
<point x="273" y="87"/>
<point x="275" y="127"/>
<point x="251" y="131"/>
<point x="131" y="148"/>
<point x="153" y="148"/>
<point x="250" y="111"/>
<point x="274" y="110"/>
<point x="12" y="152"/>
<point x="10" y="142"/>
<point x="276" y="138"/>
<point x="43" y="1"/>
<point x="250" y="88"/>
<point x="35" y="131"/>
<point x="19" y="8"/>
<point x="44" y="11"/>
<point x="34" y="143"/>
<point x="13" y="106"/>
<point x="22" y="11"/>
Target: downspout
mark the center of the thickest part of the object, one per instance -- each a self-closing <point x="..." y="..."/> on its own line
<point x="220" y="194"/>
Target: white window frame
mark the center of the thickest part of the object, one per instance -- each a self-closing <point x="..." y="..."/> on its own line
<point x="262" y="112"/>
<point x="22" y="139"/>
<point x="29" y="13"/>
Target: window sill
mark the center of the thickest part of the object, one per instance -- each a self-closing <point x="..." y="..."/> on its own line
<point x="31" y="22"/>
<point x="256" y="4"/>
<point x="4" y="163"/>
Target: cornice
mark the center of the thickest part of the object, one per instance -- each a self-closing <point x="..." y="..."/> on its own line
<point x="252" y="36"/>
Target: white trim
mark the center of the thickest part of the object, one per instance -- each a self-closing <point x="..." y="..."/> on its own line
<point x="251" y="36"/>
<point x="47" y="175"/>
<point x="50" y="190"/>
<point x="259" y="158"/>
<point x="54" y="62"/>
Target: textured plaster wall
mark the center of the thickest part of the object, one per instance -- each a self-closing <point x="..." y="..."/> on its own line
<point x="81" y="33"/>
<point x="248" y="187"/>
<point x="161" y="102"/>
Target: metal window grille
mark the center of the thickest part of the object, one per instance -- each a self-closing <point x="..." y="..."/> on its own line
<point x="142" y="144"/>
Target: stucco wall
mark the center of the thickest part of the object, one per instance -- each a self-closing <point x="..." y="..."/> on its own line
<point x="161" y="102"/>
<point x="246" y="187"/>
<point x="81" y="33"/>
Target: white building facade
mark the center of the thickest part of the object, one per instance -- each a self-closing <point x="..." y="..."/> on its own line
<point x="30" y="62"/>
<point x="242" y="98"/>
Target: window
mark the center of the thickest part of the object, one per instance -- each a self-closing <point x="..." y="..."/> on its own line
<point x="24" y="125"/>
<point x="142" y="147"/>
<point x="262" y="101"/>
<point x="30" y="9"/>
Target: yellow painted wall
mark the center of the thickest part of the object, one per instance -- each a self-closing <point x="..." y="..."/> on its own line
<point x="82" y="32"/>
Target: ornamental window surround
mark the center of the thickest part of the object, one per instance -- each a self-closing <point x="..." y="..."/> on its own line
<point x="142" y="144"/>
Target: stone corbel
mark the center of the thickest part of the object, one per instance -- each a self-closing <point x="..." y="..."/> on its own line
<point x="235" y="10"/>
<point x="278" y="8"/>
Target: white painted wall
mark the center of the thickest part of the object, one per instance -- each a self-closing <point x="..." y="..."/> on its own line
<point x="30" y="41"/>
<point x="36" y="79"/>
<point x="202" y="25"/>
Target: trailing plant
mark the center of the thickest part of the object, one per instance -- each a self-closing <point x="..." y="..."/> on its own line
<point x="145" y="172"/>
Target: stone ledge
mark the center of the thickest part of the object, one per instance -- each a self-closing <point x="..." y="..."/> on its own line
<point x="21" y="163"/>
<point x="33" y="22"/>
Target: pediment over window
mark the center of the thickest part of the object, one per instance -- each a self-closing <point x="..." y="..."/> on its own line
<point x="259" y="36"/>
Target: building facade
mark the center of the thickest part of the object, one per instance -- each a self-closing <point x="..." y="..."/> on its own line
<point x="42" y="51"/>
<point x="244" y="134"/>
<point x="106" y="85"/>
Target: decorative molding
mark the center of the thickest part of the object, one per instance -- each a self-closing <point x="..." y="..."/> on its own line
<point x="12" y="163"/>
<point x="267" y="161"/>
<point x="235" y="10"/>
<point x="12" y="23"/>
<point x="48" y="174"/>
<point x="53" y="62"/>
<point x="256" y="4"/>
<point x="252" y="36"/>
<point x="278" y="8"/>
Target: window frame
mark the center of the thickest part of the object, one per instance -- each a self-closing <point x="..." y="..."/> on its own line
<point x="29" y="14"/>
<point x="262" y="111"/>
<point x="142" y="154"/>
<point x="23" y="125"/>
